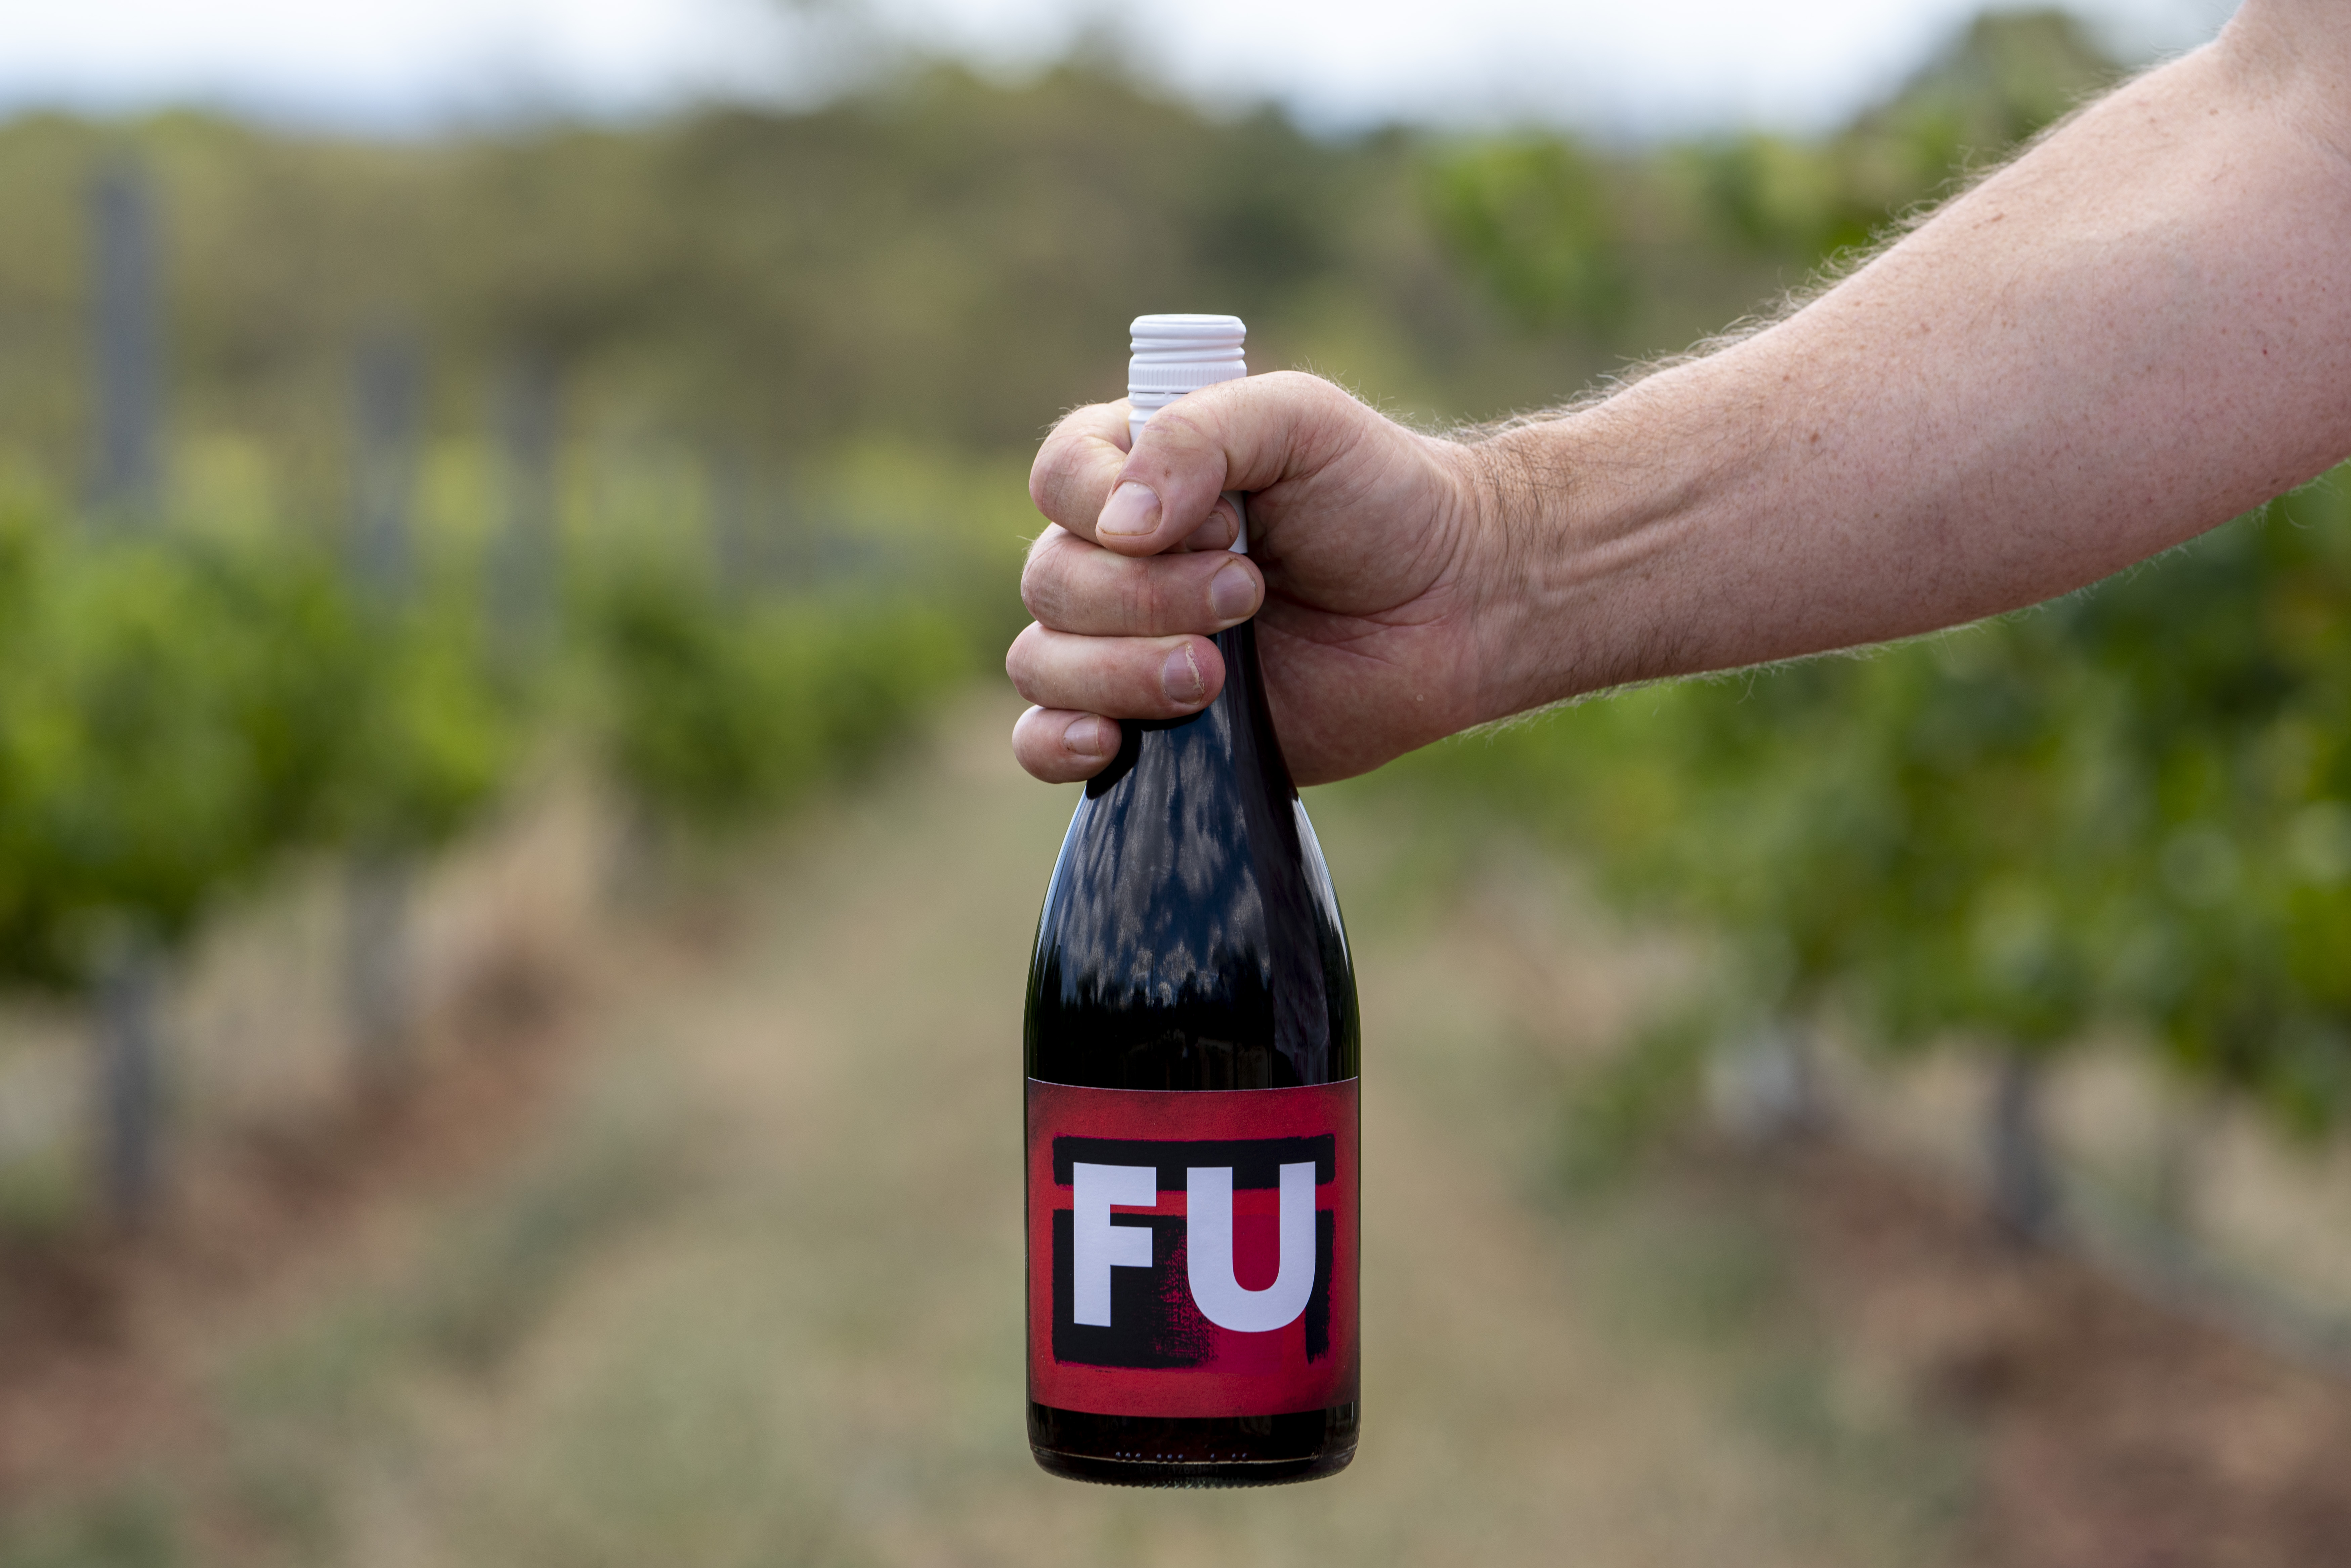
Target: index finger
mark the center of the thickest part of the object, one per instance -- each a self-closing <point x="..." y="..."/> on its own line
<point x="1075" y="482"/>
<point x="1077" y="465"/>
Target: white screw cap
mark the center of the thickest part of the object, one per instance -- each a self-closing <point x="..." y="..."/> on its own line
<point x="1179" y="354"/>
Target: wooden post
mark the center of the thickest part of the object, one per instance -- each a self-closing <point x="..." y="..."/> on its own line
<point x="377" y="1003"/>
<point x="386" y="387"/>
<point x="376" y="978"/>
<point x="130" y="1088"/>
<point x="2025" y="1198"/>
<point x="126" y="355"/>
<point x="733" y="559"/>
<point x="523" y="571"/>
<point x="1764" y="1083"/>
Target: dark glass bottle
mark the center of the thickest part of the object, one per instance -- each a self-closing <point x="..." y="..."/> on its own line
<point x="1191" y="941"/>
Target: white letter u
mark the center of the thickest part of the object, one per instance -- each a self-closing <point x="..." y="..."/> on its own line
<point x="1208" y="1250"/>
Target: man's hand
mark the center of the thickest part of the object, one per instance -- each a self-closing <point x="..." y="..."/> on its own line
<point x="1370" y="569"/>
<point x="2135" y="331"/>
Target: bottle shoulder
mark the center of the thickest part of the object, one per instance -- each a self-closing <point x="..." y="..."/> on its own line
<point x="1190" y="937"/>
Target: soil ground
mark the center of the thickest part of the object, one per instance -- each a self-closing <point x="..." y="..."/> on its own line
<point x="729" y="1274"/>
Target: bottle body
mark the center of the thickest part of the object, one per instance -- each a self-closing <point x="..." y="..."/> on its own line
<point x="1191" y="1049"/>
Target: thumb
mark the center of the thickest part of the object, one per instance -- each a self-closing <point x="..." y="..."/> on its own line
<point x="1246" y="435"/>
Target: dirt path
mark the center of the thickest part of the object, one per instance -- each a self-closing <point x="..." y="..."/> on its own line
<point x="757" y="1299"/>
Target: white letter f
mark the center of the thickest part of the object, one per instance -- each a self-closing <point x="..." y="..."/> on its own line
<point x="1096" y="1246"/>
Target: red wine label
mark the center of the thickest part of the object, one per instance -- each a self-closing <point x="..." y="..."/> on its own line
<point x="1191" y="1253"/>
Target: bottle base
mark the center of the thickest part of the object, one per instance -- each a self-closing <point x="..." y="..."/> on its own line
<point x="1199" y="1475"/>
<point x="1193" y="1451"/>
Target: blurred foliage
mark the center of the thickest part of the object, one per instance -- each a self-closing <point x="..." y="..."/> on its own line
<point x="1535" y="219"/>
<point x="854" y="320"/>
<point x="1563" y="239"/>
<point x="1617" y="1114"/>
<point x="2009" y="75"/>
<point x="939" y="256"/>
<point x="176" y="710"/>
<point x="717" y="714"/>
<point x="182" y="709"/>
<point x="2131" y="807"/>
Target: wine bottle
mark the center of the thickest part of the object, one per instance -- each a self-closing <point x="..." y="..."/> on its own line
<point x="1191" y="1055"/>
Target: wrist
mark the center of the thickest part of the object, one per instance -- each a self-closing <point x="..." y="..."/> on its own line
<point x="1621" y="550"/>
<point x="1558" y="572"/>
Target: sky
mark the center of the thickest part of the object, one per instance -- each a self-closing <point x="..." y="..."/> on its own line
<point x="1631" y="67"/>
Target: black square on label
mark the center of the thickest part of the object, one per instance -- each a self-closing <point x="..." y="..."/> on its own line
<point x="1152" y="1323"/>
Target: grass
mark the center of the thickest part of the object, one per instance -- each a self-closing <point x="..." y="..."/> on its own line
<point x="132" y="1526"/>
<point x="304" y="1417"/>
<point x="755" y="1300"/>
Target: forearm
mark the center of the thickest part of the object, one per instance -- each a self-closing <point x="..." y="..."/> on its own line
<point x="2137" y="330"/>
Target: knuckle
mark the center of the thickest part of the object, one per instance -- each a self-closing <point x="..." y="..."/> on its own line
<point x="1187" y="429"/>
<point x="1036" y="587"/>
<point x="1021" y="654"/>
<point x="1318" y="392"/>
<point x="1138" y="597"/>
<point x="1057" y="479"/>
<point x="1049" y="479"/>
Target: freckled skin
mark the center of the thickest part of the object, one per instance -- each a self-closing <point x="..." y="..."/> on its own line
<point x="2135" y="331"/>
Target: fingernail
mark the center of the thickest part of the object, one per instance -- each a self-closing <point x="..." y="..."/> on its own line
<point x="1232" y="594"/>
<point x="1086" y="736"/>
<point x="1181" y="676"/>
<point x="1132" y="510"/>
